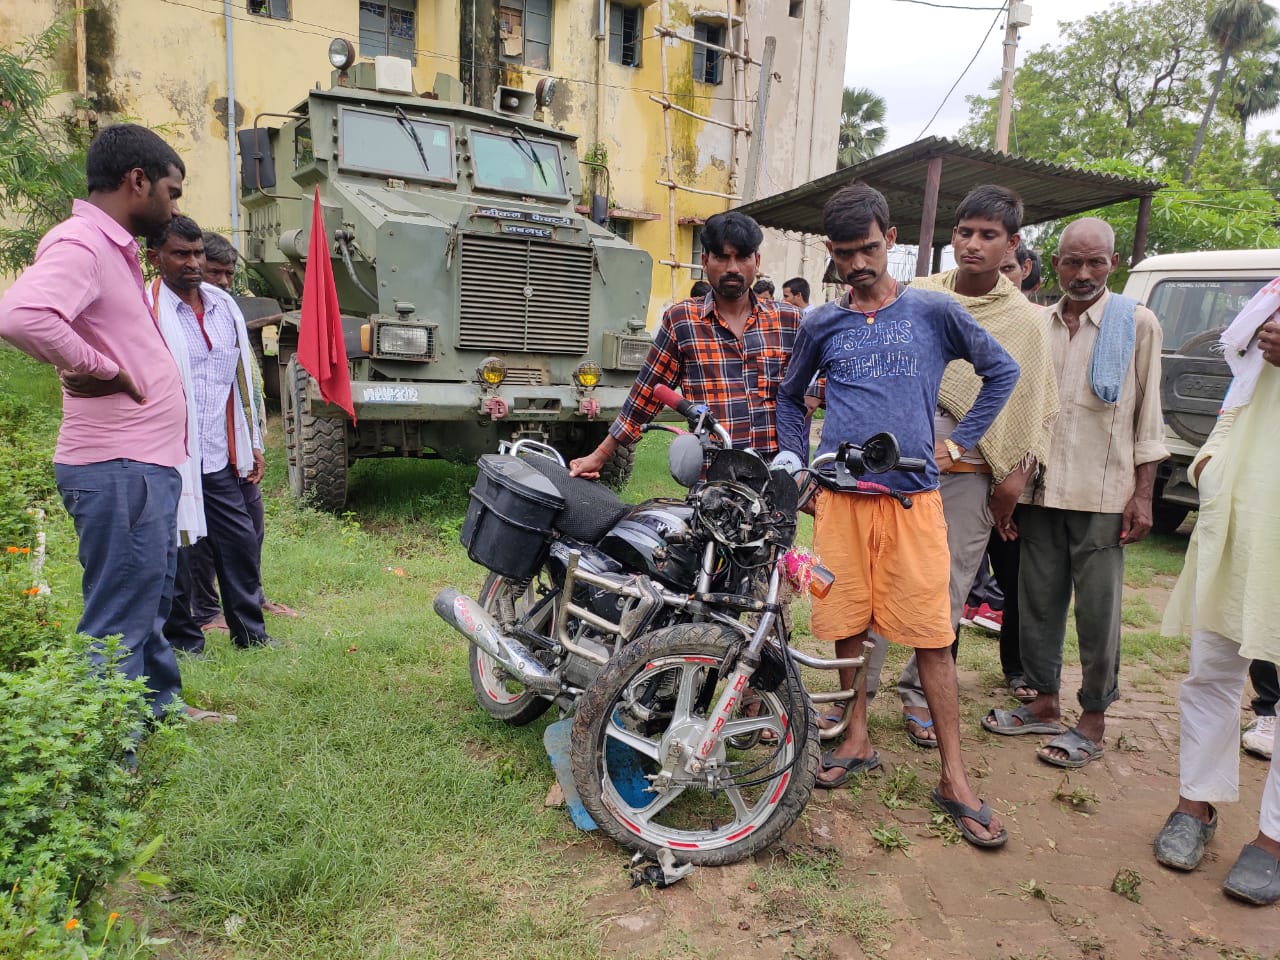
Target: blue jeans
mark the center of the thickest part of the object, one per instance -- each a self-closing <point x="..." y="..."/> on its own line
<point x="125" y="515"/>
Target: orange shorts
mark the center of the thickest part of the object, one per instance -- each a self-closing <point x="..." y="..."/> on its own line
<point x="892" y="568"/>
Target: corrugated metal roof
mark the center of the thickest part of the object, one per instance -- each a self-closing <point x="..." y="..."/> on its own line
<point x="1048" y="190"/>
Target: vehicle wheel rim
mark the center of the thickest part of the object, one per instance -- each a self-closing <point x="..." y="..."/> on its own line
<point x="688" y="815"/>
<point x="495" y="681"/>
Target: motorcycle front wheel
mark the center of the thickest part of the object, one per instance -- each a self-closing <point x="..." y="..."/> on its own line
<point x="498" y="693"/>
<point x="644" y="710"/>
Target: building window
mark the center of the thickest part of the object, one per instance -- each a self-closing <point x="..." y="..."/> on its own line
<point x="707" y="62"/>
<point x="388" y="28"/>
<point x="275" y="9"/>
<point x="524" y="26"/>
<point x="622" y="229"/>
<point x="625" y="25"/>
<point x="795" y="9"/>
<point x="695" y="255"/>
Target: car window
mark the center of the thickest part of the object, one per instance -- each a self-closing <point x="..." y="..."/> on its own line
<point x="516" y="164"/>
<point x="1189" y="307"/>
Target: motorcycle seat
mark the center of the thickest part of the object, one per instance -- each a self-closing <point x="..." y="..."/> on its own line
<point x="591" y="509"/>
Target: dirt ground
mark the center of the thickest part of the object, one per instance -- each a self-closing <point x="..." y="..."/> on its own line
<point x="830" y="890"/>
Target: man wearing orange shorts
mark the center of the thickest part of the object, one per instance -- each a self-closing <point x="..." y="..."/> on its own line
<point x="883" y="348"/>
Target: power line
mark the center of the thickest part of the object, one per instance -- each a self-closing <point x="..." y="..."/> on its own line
<point x="329" y="32"/>
<point x="946" y="6"/>
<point x="971" y="62"/>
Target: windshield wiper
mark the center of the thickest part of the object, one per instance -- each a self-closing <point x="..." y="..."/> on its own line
<point x="517" y="138"/>
<point x="408" y="126"/>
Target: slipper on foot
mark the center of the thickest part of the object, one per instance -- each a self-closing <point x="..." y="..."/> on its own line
<point x="848" y="767"/>
<point x="1255" y="878"/>
<point x="1078" y="748"/>
<point x="958" y="813"/>
<point x="1018" y="723"/>
<point x="915" y="738"/>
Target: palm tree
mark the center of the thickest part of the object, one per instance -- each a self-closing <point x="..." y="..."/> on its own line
<point x="862" y="129"/>
<point x="1255" y="88"/>
<point x="1234" y="25"/>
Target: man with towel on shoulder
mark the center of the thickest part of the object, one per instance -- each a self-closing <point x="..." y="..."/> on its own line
<point x="1093" y="497"/>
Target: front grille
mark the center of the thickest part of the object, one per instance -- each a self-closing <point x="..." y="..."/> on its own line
<point x="524" y="295"/>
<point x="526" y="376"/>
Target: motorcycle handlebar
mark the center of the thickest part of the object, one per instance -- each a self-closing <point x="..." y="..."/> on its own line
<point x="698" y="414"/>
<point x="669" y="398"/>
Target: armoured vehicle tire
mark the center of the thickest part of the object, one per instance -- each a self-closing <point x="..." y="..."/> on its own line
<point x="612" y="762"/>
<point x="617" y="469"/>
<point x="316" y="446"/>
<point x="1167" y="517"/>
<point x="493" y="691"/>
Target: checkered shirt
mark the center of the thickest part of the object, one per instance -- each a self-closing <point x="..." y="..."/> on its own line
<point x="695" y="352"/>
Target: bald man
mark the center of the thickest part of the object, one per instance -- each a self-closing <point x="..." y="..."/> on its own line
<point x="1093" y="498"/>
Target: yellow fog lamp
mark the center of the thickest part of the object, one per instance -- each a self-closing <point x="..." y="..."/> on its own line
<point x="492" y="371"/>
<point x="587" y="374"/>
<point x="342" y="54"/>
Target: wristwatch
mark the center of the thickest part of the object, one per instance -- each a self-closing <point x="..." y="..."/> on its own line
<point x="953" y="450"/>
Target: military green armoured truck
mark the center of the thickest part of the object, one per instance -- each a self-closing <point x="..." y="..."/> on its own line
<point x="478" y="303"/>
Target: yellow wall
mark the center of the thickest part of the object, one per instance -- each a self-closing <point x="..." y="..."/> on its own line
<point x="163" y="63"/>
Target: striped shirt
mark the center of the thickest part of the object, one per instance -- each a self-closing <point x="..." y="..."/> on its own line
<point x="695" y="352"/>
<point x="214" y="353"/>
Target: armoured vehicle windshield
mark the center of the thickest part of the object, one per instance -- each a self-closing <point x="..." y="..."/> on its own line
<point x="382" y="143"/>
<point x="514" y="163"/>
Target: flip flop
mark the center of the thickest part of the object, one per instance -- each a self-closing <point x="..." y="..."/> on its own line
<point x="1016" y="683"/>
<point x="850" y="766"/>
<point x="923" y="725"/>
<point x="278" y="609"/>
<point x="1018" y="723"/>
<point x="958" y="813"/>
<point x="1079" y="749"/>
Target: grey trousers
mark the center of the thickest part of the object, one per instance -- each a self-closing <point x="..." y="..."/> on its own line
<point x="1062" y="550"/>
<point x="966" y="504"/>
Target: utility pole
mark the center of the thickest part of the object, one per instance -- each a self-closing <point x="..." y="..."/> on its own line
<point x="1019" y="16"/>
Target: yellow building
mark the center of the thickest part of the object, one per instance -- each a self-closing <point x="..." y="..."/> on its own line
<point x="667" y="93"/>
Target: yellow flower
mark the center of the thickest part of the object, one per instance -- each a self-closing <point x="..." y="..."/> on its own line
<point x="72" y="923"/>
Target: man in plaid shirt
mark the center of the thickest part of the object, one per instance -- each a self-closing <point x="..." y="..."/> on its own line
<point x="728" y="350"/>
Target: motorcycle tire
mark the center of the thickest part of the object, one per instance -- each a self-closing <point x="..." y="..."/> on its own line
<point x="658" y="690"/>
<point x="500" y="696"/>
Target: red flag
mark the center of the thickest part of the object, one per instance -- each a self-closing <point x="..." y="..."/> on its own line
<point x="321" y="349"/>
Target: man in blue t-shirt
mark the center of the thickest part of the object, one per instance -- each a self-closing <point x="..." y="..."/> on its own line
<point x="883" y="348"/>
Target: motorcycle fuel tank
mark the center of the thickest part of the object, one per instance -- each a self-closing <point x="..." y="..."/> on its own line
<point x="654" y="539"/>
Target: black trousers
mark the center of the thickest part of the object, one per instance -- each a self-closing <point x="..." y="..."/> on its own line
<point x="1262" y="674"/>
<point x="204" y="590"/>
<point x="237" y="562"/>
<point x="1004" y="556"/>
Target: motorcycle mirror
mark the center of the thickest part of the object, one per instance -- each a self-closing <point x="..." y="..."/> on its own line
<point x="684" y="460"/>
<point x="880" y="454"/>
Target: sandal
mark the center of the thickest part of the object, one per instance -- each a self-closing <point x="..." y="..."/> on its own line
<point x="195" y="715"/>
<point x="1078" y="748"/>
<point x="1018" y="689"/>
<point x="1018" y="723"/>
<point x="958" y="813"/>
<point x="915" y="738"/>
<point x="849" y="766"/>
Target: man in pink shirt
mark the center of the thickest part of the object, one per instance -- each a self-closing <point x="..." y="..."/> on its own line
<point x="80" y="306"/>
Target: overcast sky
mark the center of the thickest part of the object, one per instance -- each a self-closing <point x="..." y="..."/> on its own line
<point x="910" y="54"/>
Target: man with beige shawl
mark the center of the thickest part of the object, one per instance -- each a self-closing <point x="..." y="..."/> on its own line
<point x="981" y="487"/>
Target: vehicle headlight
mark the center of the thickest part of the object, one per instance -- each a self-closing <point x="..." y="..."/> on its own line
<point x="587" y="374"/>
<point x="403" y="341"/>
<point x="492" y="371"/>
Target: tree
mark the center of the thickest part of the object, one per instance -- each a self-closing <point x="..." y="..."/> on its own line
<point x="1234" y="26"/>
<point x="1128" y="83"/>
<point x="862" y="129"/>
<point x="1255" y="86"/>
<point x="41" y="154"/>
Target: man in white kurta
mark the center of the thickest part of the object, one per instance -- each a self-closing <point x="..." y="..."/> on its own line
<point x="1228" y="599"/>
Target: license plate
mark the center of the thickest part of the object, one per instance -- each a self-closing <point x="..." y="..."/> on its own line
<point x="390" y="394"/>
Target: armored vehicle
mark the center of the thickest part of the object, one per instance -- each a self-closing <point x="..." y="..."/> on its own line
<point x="478" y="302"/>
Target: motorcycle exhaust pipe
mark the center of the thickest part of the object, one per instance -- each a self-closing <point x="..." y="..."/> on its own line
<point x="473" y="622"/>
